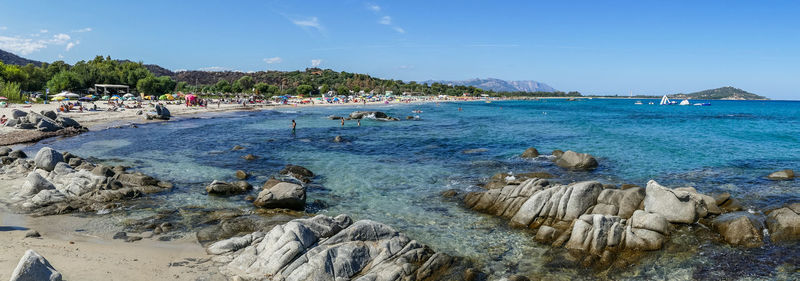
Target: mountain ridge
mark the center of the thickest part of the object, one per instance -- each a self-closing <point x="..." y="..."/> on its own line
<point x="722" y="93"/>
<point x="499" y="85"/>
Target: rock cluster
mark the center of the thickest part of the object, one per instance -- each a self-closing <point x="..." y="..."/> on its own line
<point x="601" y="222"/>
<point x="781" y="175"/>
<point x="46" y="121"/>
<point x="161" y="113"/>
<point x="58" y="183"/>
<point x="332" y="248"/>
<point x="377" y="115"/>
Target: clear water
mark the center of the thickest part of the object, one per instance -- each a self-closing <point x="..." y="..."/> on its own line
<point x="394" y="172"/>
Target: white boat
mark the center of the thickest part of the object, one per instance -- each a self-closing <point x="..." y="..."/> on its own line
<point x="638" y="102"/>
<point x="665" y="100"/>
<point x="685" y="102"/>
<point x="651" y="102"/>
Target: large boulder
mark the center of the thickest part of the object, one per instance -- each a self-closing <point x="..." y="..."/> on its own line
<point x="298" y="172"/>
<point x="16" y="113"/>
<point x="33" y="184"/>
<point x="282" y="195"/>
<point x="675" y="206"/>
<point x="782" y="175"/>
<point x="47" y="158"/>
<point x="4" y="151"/>
<point x="576" y="161"/>
<point x="224" y="188"/>
<point x="740" y="228"/>
<point x="34" y="267"/>
<point x="18" y="154"/>
<point x="67" y="122"/>
<point x="530" y="153"/>
<point x="784" y="223"/>
<point x="48" y="125"/>
<point x="50" y="114"/>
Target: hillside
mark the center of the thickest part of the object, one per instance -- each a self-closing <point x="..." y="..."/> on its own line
<point x="9" y="58"/>
<point x="498" y="85"/>
<point x="724" y="93"/>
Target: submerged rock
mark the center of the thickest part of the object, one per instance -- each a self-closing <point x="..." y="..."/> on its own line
<point x="781" y="175"/>
<point x="242" y="175"/>
<point x="368" y="114"/>
<point x="298" y="172"/>
<point x="34" y="267"/>
<point x="530" y="153"/>
<point x="576" y="161"/>
<point x="224" y="188"/>
<point x="326" y="248"/>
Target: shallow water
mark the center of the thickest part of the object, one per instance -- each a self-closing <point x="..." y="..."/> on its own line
<point x="393" y="172"/>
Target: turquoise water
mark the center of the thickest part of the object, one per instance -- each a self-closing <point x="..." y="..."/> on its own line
<point x="393" y="172"/>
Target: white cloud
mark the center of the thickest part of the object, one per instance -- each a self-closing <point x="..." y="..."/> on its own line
<point x="70" y="45"/>
<point x="399" y="29"/>
<point x="60" y="39"/>
<point x="43" y="31"/>
<point x="3" y="27"/>
<point x="311" y="22"/>
<point x="374" y="7"/>
<point x="316" y="62"/>
<point x="387" y="20"/>
<point x="22" y="46"/>
<point x="214" y="68"/>
<point x="273" y="60"/>
<point x="83" y="30"/>
<point x="60" y="56"/>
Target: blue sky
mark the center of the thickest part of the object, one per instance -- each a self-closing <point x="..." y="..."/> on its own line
<point x="595" y="47"/>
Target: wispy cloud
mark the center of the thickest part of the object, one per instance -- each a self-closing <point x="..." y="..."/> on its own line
<point x="373" y="7"/>
<point x="213" y="68"/>
<point x="3" y="27"/>
<point x="316" y="62"/>
<point x="387" y="20"/>
<point x="399" y="29"/>
<point x="406" y="67"/>
<point x="273" y="60"/>
<point x="82" y="30"/>
<point x="43" y="31"/>
<point x="71" y="45"/>
<point x="311" y="22"/>
<point x="25" y="46"/>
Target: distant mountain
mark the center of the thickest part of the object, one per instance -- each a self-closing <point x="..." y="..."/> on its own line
<point x="9" y="58"/>
<point x="724" y="93"/>
<point x="499" y="85"/>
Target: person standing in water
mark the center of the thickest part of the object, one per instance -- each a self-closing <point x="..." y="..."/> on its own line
<point x="342" y="122"/>
<point x="294" y="125"/>
<point x="359" y="122"/>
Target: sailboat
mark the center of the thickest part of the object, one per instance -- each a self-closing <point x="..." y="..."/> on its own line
<point x="685" y="102"/>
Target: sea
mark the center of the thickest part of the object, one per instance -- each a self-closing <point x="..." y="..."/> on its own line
<point x="395" y="172"/>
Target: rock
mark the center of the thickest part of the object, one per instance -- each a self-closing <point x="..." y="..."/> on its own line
<point x="740" y="228"/>
<point x="270" y="183"/>
<point x="33" y="184"/>
<point x="136" y="179"/>
<point x="242" y="175"/>
<point x="233" y="244"/>
<point x="102" y="170"/>
<point x="244" y="185"/>
<point x="675" y="206"/>
<point x="4" y="151"/>
<point x="530" y="153"/>
<point x="449" y="193"/>
<point x="546" y="234"/>
<point x="32" y="234"/>
<point x="650" y="221"/>
<point x="68" y="122"/>
<point x="47" y="158"/>
<point x="5" y="160"/>
<point x="131" y="239"/>
<point x="18" y="154"/>
<point x="576" y="161"/>
<point x="249" y="157"/>
<point x="224" y="188"/>
<point x="48" y="125"/>
<point x="34" y="267"/>
<point x="238" y="147"/>
<point x="298" y="172"/>
<point x="781" y="175"/>
<point x="50" y="114"/>
<point x="16" y="113"/>
<point x="643" y="239"/>
<point x="557" y="153"/>
<point x="120" y="235"/>
<point x="334" y="117"/>
<point x="282" y="195"/>
<point x="784" y="223"/>
<point x="75" y="162"/>
<point x="338" y="139"/>
<point x="368" y="114"/>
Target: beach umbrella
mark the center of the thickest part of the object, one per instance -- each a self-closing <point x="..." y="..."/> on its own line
<point x="72" y="95"/>
<point x="128" y="96"/>
<point x="105" y="98"/>
<point x="115" y="97"/>
<point x="3" y="98"/>
<point x="85" y="99"/>
<point x="58" y="98"/>
<point x="162" y="97"/>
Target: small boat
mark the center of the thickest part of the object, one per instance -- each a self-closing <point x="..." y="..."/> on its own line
<point x="702" y="104"/>
<point x="488" y="101"/>
<point x="651" y="103"/>
<point x="638" y="102"/>
<point x="685" y="102"/>
<point x="417" y="111"/>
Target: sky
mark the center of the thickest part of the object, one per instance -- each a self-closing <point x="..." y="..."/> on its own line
<point x="595" y="47"/>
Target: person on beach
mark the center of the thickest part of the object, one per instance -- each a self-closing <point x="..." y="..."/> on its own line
<point x="3" y="120"/>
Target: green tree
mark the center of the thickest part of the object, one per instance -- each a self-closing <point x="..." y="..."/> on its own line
<point x="272" y="90"/>
<point x="223" y="86"/>
<point x="64" y="80"/>
<point x="343" y="90"/>
<point x="246" y="82"/>
<point x="11" y="91"/>
<point x="149" y="86"/>
<point x="166" y="84"/>
<point x="325" y="88"/>
<point x="262" y="88"/>
<point x="304" y="89"/>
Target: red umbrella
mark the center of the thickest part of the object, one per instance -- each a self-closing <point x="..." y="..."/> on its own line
<point x="3" y="98"/>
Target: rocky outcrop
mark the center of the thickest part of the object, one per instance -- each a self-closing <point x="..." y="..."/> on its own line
<point x="282" y="195"/>
<point x="377" y="115"/>
<point x="161" y="113"/>
<point x="47" y="121"/>
<point x="781" y="175"/>
<point x="298" y="172"/>
<point x="603" y="221"/>
<point x="52" y="186"/>
<point x="332" y="248"/>
<point x="576" y="161"/>
<point x="784" y="223"/>
<point x="34" y="267"/>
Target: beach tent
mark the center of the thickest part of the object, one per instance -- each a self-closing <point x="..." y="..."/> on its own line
<point x="115" y="97"/>
<point x="3" y="98"/>
<point x="58" y="98"/>
<point x="105" y="98"/>
<point x="128" y="96"/>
